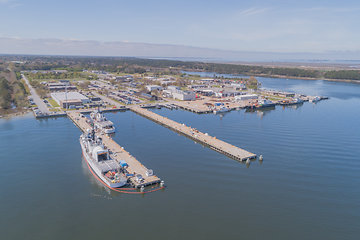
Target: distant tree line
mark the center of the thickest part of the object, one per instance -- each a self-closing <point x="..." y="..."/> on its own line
<point x="343" y="74"/>
<point x="139" y="65"/>
<point x="54" y="75"/>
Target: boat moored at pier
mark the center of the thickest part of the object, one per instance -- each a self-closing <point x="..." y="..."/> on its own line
<point x="222" y="109"/>
<point x="98" y="158"/>
<point x="101" y="122"/>
<point x="263" y="103"/>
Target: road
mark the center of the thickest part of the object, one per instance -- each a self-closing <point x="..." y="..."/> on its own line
<point x="38" y="101"/>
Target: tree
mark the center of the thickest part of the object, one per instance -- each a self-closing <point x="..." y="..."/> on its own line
<point x="252" y="83"/>
<point x="84" y="84"/>
<point x="5" y="94"/>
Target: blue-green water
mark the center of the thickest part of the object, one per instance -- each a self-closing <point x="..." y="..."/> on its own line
<point x="306" y="188"/>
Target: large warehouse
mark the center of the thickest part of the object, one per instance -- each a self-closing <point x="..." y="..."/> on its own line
<point x="70" y="99"/>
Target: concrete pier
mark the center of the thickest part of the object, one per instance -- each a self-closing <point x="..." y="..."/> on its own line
<point x="84" y="111"/>
<point x="118" y="153"/>
<point x="203" y="138"/>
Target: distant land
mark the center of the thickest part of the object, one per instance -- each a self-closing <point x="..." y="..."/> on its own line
<point x="171" y="52"/>
<point x="311" y="71"/>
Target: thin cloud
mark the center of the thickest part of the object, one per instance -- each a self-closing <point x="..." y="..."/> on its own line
<point x="253" y="11"/>
<point x="11" y="3"/>
<point x="6" y="1"/>
<point x="332" y="9"/>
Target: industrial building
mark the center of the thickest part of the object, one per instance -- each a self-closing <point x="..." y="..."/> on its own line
<point x="67" y="100"/>
<point x="238" y="86"/>
<point x="176" y="93"/>
<point x="184" y="95"/>
<point x="60" y="86"/>
<point x="173" y="88"/>
<point x="148" y="96"/>
<point x="246" y="97"/>
<point x="226" y="93"/>
<point x="151" y="88"/>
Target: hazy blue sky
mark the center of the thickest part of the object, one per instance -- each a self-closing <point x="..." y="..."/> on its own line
<point x="267" y="25"/>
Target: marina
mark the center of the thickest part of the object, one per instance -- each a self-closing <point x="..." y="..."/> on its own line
<point x="119" y="154"/>
<point x="203" y="138"/>
<point x="240" y="118"/>
<point x="306" y="181"/>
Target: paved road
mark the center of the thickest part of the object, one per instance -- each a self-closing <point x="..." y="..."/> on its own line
<point x="38" y="101"/>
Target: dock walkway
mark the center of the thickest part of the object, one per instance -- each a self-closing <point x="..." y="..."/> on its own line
<point x="118" y="153"/>
<point x="203" y="138"/>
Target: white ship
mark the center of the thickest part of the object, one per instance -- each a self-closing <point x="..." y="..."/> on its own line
<point x="98" y="158"/>
<point x="101" y="123"/>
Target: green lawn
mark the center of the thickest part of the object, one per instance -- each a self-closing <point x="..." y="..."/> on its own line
<point x="53" y="102"/>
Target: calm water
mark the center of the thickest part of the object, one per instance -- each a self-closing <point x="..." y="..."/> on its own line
<point x="306" y="188"/>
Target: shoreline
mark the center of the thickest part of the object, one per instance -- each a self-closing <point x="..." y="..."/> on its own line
<point x="307" y="78"/>
<point x="14" y="114"/>
<point x="285" y="77"/>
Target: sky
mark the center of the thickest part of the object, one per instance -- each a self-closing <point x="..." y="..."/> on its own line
<point x="235" y="25"/>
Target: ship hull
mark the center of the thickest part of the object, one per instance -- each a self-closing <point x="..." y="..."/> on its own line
<point x="265" y="105"/>
<point x="221" y="111"/>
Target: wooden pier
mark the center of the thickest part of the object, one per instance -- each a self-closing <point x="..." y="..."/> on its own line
<point x="203" y="138"/>
<point x="118" y="153"/>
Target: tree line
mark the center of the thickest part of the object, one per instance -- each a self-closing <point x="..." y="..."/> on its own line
<point x="12" y="93"/>
<point x="5" y="94"/>
<point x="139" y="65"/>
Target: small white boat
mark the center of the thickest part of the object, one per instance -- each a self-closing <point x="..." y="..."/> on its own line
<point x="222" y="109"/>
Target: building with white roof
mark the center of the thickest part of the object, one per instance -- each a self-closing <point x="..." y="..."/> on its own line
<point x="151" y="88"/>
<point x="69" y="99"/>
<point x="246" y="97"/>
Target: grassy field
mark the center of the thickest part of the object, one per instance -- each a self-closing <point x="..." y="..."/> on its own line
<point x="53" y="102"/>
<point x="273" y="98"/>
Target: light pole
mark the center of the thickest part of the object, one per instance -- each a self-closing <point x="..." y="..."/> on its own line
<point x="66" y="101"/>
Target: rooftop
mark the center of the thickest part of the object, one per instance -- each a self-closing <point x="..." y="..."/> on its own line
<point x="70" y="96"/>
